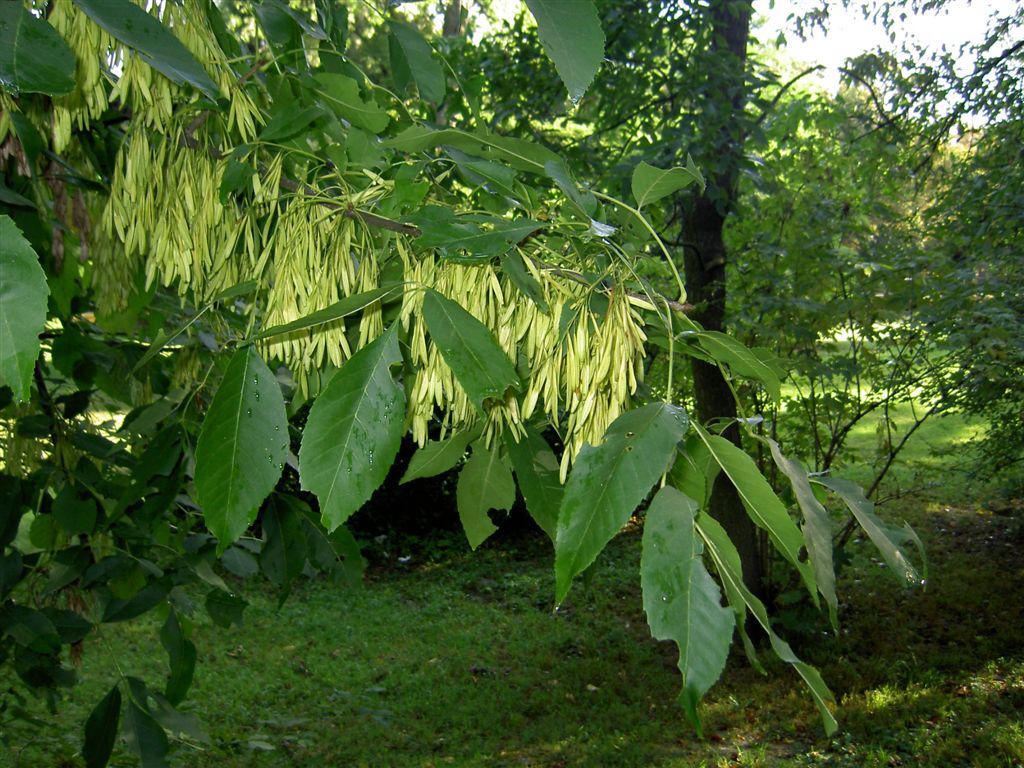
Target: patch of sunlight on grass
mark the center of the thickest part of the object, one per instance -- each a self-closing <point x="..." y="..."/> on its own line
<point x="881" y="699"/>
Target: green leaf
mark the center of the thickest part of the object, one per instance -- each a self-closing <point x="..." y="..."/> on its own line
<point x="33" y="57"/>
<point x="425" y="70"/>
<point x="483" y="237"/>
<point x="342" y="96"/>
<point x="236" y="177"/>
<point x="284" y="553"/>
<point x="496" y="177"/>
<point x="570" y="31"/>
<point x="162" y="339"/>
<point x="537" y="472"/>
<point x="559" y="173"/>
<point x="10" y="572"/>
<point x="682" y="601"/>
<point x="339" y="309"/>
<point x="289" y="121"/>
<point x="650" y="184"/>
<point x="152" y="40"/>
<point x="224" y="608"/>
<point x="485" y="483"/>
<point x="520" y="154"/>
<point x="469" y="349"/>
<point x="242" y="446"/>
<point x="695" y="471"/>
<point x="23" y="293"/>
<point x="145" y="736"/>
<point x="439" y="456"/>
<point x="512" y="265"/>
<point x="101" y="730"/>
<point x="353" y="431"/>
<point x="742" y="361"/>
<point x="609" y="482"/>
<point x="181" y="656"/>
<point x="761" y="503"/>
<point x="71" y="626"/>
<point x="11" y="197"/>
<point x="146" y="599"/>
<point x="73" y="514"/>
<point x="887" y="540"/>
<point x="727" y="563"/>
<point x="817" y="528"/>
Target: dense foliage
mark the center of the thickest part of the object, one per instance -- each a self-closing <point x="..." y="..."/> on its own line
<point x="247" y="252"/>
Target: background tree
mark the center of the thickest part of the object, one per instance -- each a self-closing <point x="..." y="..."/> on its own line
<point x="245" y="262"/>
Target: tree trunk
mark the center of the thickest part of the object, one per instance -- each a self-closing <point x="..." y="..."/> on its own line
<point x="705" y="258"/>
<point x="452" y="19"/>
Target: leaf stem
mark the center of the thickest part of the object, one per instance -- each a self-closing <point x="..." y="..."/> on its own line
<point x="647" y="225"/>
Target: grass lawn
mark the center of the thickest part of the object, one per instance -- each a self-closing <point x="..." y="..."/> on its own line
<point x="456" y="658"/>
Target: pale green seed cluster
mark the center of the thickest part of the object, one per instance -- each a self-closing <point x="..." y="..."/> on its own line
<point x="582" y="376"/>
<point x="306" y="253"/>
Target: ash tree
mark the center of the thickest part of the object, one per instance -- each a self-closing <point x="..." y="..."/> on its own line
<point x="237" y="271"/>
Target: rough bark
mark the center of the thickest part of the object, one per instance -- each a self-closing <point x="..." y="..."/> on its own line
<point x="705" y="257"/>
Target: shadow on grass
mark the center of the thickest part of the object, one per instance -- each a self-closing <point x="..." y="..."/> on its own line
<point x="459" y="660"/>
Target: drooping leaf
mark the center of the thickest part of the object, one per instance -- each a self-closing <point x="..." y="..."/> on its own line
<point x="727" y="564"/>
<point x="496" y="177"/>
<point x="439" y="456"/>
<point x="33" y="57"/>
<point x="512" y="264"/>
<point x="145" y="736"/>
<point x="177" y="723"/>
<point x="339" y="309"/>
<point x="75" y="515"/>
<point x="650" y="184"/>
<point x="353" y="431"/>
<point x="242" y="446"/>
<point x="224" y="608"/>
<point x="469" y="349"/>
<point x="152" y="40"/>
<point x="481" y="236"/>
<point x="163" y="338"/>
<point x="741" y="360"/>
<point x="71" y="626"/>
<point x="10" y="197"/>
<point x="23" y="293"/>
<point x="817" y="529"/>
<point x="521" y="154"/>
<point x="143" y="601"/>
<point x="609" y="481"/>
<point x="485" y="483"/>
<point x="342" y="95"/>
<point x="181" y="657"/>
<point x="761" y="503"/>
<point x="536" y="468"/>
<point x="887" y="540"/>
<point x="287" y="122"/>
<point x="101" y="730"/>
<point x="236" y="177"/>
<point x="571" y="33"/>
<point x="559" y="173"/>
<point x="426" y="71"/>
<point x="682" y="601"/>
<point x="284" y="553"/>
<point x="695" y="471"/>
<point x="10" y="572"/>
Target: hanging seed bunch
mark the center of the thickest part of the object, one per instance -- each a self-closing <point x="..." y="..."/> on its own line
<point x="94" y="49"/>
<point x="313" y="264"/>
<point x="165" y="208"/>
<point x="584" y="365"/>
<point x="485" y="295"/>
